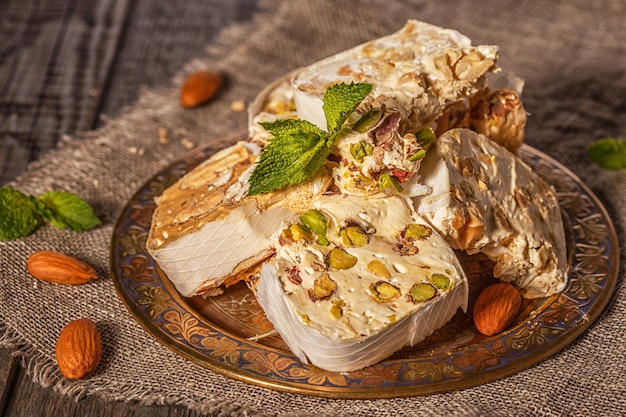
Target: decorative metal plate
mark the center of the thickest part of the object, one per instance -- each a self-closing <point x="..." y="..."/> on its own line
<point x="218" y="333"/>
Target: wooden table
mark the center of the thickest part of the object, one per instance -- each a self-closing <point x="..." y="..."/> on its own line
<point x="63" y="65"/>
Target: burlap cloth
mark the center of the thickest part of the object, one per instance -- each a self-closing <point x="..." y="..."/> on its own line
<point x="572" y="55"/>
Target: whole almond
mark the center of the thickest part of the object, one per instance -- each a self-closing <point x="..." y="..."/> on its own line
<point x="496" y="307"/>
<point x="78" y="349"/>
<point x="200" y="87"/>
<point x="59" y="268"/>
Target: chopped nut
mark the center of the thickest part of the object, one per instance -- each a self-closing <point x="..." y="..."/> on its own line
<point x="323" y="287"/>
<point x="298" y="232"/>
<point x="418" y="155"/>
<point x="369" y="119"/>
<point x="340" y="259"/>
<point x="336" y="311"/>
<point x="426" y="137"/>
<point x="360" y="150"/>
<point x="187" y="143"/>
<point x="163" y="138"/>
<point x="238" y="105"/>
<point x="378" y="267"/>
<point x="315" y="220"/>
<point x="354" y="237"/>
<point x="440" y="281"/>
<point x="383" y="291"/>
<point x="421" y="292"/>
<point x="305" y="318"/>
<point x="388" y="183"/>
<point x="293" y="275"/>
<point x="416" y="231"/>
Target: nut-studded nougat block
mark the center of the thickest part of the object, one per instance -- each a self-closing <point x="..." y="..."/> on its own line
<point x="485" y="199"/>
<point x="358" y="279"/>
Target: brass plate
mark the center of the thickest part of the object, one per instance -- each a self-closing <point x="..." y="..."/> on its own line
<point x="216" y="333"/>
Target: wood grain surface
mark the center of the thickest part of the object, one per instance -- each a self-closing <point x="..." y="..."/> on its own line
<point x="63" y="65"/>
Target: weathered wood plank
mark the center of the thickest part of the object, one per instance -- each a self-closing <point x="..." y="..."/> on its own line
<point x="160" y="38"/>
<point x="56" y="56"/>
<point x="9" y="368"/>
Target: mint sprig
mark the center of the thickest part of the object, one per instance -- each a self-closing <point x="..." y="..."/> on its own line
<point x="299" y="148"/>
<point x="21" y="214"/>
<point x="609" y="153"/>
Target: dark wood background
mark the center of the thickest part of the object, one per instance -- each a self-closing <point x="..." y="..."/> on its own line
<point x="63" y="65"/>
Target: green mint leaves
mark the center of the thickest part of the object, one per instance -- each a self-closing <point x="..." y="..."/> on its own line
<point x="340" y="100"/>
<point x="17" y="214"/>
<point x="609" y="153"/>
<point x="299" y="148"/>
<point x="21" y="214"/>
<point x="294" y="155"/>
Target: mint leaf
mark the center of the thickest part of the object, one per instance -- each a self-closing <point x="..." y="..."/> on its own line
<point x="609" y="153"/>
<point x="296" y="152"/>
<point x="340" y="100"/>
<point x="66" y="211"/>
<point x="17" y="215"/>
<point x="299" y="148"/>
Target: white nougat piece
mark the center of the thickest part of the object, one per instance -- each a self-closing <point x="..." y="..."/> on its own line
<point x="485" y="199"/>
<point x="344" y="317"/>
<point x="205" y="230"/>
<point x="418" y="70"/>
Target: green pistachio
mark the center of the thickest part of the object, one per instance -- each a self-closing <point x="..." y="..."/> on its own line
<point x="315" y="220"/>
<point x="354" y="237"/>
<point x="440" y="281"/>
<point x="340" y="259"/>
<point x="420" y="154"/>
<point x="360" y="150"/>
<point x="369" y="119"/>
<point x="422" y="292"/>
<point x="417" y="232"/>
<point x="299" y="232"/>
<point x="321" y="240"/>
<point x="383" y="291"/>
<point x="388" y="182"/>
<point x="378" y="267"/>
<point x="426" y="137"/>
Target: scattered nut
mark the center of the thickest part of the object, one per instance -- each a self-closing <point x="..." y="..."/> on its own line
<point x="59" y="268"/>
<point x="238" y="105"/>
<point x="496" y="307"/>
<point x="200" y="87"/>
<point x="78" y="349"/>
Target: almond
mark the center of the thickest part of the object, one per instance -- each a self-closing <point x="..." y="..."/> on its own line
<point x="200" y="87"/>
<point x="496" y="307"/>
<point x="59" y="268"/>
<point x="78" y="349"/>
